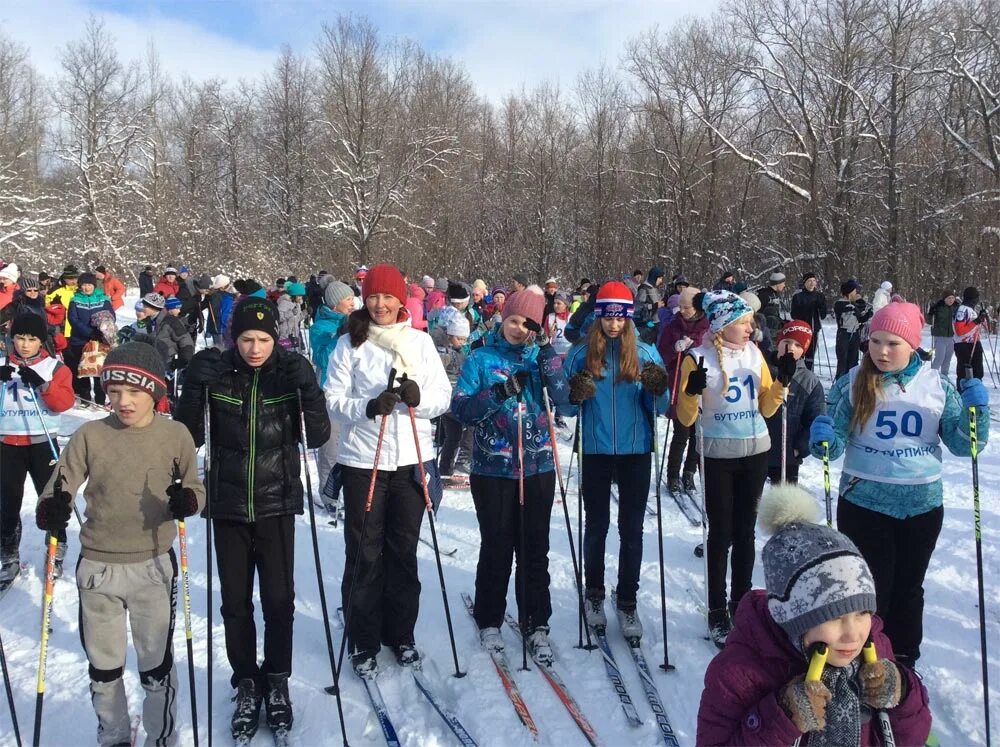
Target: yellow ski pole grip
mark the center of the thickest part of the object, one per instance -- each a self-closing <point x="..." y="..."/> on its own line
<point x="868" y="652"/>
<point x="817" y="661"/>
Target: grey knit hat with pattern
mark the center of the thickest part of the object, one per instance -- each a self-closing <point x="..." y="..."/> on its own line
<point x="813" y="573"/>
<point x="335" y="292"/>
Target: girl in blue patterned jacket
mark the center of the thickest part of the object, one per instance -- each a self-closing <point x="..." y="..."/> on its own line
<point x="510" y="369"/>
<point x="617" y="381"/>
<point x="889" y="415"/>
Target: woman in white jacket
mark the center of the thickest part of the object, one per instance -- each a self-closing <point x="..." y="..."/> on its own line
<point x="380" y="587"/>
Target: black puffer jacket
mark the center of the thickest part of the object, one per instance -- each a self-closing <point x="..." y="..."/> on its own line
<point x="255" y="429"/>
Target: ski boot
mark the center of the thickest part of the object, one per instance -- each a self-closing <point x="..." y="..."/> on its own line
<point x="593" y="610"/>
<point x="689" y="485"/>
<point x="719" y="627"/>
<point x="277" y="705"/>
<point x="630" y="624"/>
<point x="407" y="655"/>
<point x="10" y="568"/>
<point x="674" y="486"/>
<point x="540" y="647"/>
<point x="365" y="665"/>
<point x="246" y="716"/>
<point x="491" y="639"/>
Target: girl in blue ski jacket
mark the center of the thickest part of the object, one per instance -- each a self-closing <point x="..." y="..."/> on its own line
<point x="620" y="385"/>
<point x="510" y="369"/>
<point x="888" y="417"/>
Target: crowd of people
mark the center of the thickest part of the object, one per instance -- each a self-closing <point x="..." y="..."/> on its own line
<point x="407" y="385"/>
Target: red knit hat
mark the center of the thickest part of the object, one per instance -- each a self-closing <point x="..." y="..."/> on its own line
<point x="384" y="279"/>
<point x="796" y="330"/>
<point x="614" y="299"/>
<point x="529" y="303"/>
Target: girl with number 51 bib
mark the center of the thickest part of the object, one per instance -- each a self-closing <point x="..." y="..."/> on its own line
<point x="888" y="417"/>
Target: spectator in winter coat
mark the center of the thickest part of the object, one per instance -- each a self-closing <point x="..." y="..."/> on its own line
<point x="479" y="291"/>
<point x="63" y="294"/>
<point x="167" y="285"/>
<point x="818" y="589"/>
<point x="941" y="315"/>
<point x="113" y="287"/>
<point x="415" y="305"/>
<point x="555" y="324"/>
<point x="87" y="301"/>
<point x="221" y="300"/>
<point x="775" y="307"/>
<point x="453" y="354"/>
<point x="805" y="402"/>
<point x="28" y="300"/>
<point x="9" y="276"/>
<point x="851" y="313"/>
<point x="380" y="581"/>
<point x="882" y="297"/>
<point x="677" y="284"/>
<point x="291" y="316"/>
<point x="494" y="310"/>
<point x="147" y="280"/>
<point x="170" y="336"/>
<point x="258" y="393"/>
<point x="809" y="306"/>
<point x="436" y="297"/>
<point x="647" y="305"/>
<point x="727" y="281"/>
<point x="968" y="345"/>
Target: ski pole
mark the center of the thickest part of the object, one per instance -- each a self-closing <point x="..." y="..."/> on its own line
<point x="43" y="647"/>
<point x="207" y="425"/>
<point x="700" y="431"/>
<point x="52" y="445"/>
<point x="522" y="561"/>
<point x="579" y="504"/>
<point x="186" y="588"/>
<point x="974" y="445"/>
<point x="666" y="437"/>
<point x="348" y="603"/>
<point x="818" y="653"/>
<point x="826" y="483"/>
<point x="319" y="571"/>
<point x="784" y="442"/>
<point x="569" y="524"/>
<point x="666" y="666"/>
<point x="3" y="656"/>
<point x="437" y="551"/>
<point x="888" y="739"/>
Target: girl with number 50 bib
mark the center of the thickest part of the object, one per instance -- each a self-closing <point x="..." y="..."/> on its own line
<point x="729" y="375"/>
<point x="888" y="417"/>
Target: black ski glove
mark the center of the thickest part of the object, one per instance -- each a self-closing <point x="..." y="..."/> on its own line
<point x="654" y="379"/>
<point x="382" y="405"/>
<point x="52" y="513"/>
<point x="697" y="379"/>
<point x="6" y="372"/>
<point x="786" y="369"/>
<point x="581" y="387"/>
<point x="409" y="391"/>
<point x="30" y="377"/>
<point x="182" y="501"/>
<point x="504" y="390"/>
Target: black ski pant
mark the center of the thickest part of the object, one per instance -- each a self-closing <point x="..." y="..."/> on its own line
<point x="791" y="473"/>
<point x="16" y="463"/>
<point x="898" y="552"/>
<point x="381" y="549"/>
<point x="968" y="354"/>
<point x="732" y="491"/>
<point x="499" y="513"/>
<point x="682" y="438"/>
<point x="631" y="472"/>
<point x="452" y="430"/>
<point x="848" y="348"/>
<point x="82" y="384"/>
<point x="267" y="547"/>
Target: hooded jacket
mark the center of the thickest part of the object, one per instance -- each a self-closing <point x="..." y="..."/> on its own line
<point x="290" y="317"/>
<point x="165" y="288"/>
<point x="81" y="309"/>
<point x="323" y="336"/>
<point x="172" y="339"/>
<point x="115" y="290"/>
<point x="739" y="705"/>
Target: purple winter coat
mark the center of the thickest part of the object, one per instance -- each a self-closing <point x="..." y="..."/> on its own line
<point x="739" y="705"/>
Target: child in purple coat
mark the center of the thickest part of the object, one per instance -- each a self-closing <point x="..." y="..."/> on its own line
<point x="819" y="588"/>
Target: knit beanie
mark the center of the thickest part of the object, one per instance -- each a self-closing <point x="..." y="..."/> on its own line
<point x="499" y="289"/>
<point x="521" y="278"/>
<point x="886" y="286"/>
<point x="384" y="279"/>
<point x="903" y="319"/>
<point x="479" y="283"/>
<point x="686" y="296"/>
<point x="155" y="300"/>
<point x="970" y="296"/>
<point x="427" y="282"/>
<point x="258" y="314"/>
<point x="69" y="272"/>
<point x="173" y="303"/>
<point x="813" y="573"/>
<point x="295" y="289"/>
<point x="29" y="283"/>
<point x="849" y="285"/>
<point x="9" y="272"/>
<point x="361" y="273"/>
<point x="796" y="330"/>
<point x="441" y="284"/>
<point x="751" y="300"/>
<point x="457" y="292"/>
<point x="136" y="364"/>
<point x="529" y="303"/>
<point x="221" y="282"/>
<point x="336" y="292"/>
<point x="204" y="282"/>
<point x="87" y="278"/>
<point x="809" y="276"/>
<point x="139" y="306"/>
<point x="458" y="326"/>
<point x="29" y="324"/>
<point x="563" y="296"/>
<point x="723" y="308"/>
<point x="776" y="277"/>
<point x="614" y="300"/>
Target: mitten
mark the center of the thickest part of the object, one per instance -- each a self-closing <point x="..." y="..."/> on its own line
<point x="382" y="405"/>
<point x="822" y="430"/>
<point x="697" y="380"/>
<point x="805" y="703"/>
<point x="974" y="394"/>
<point x="581" y="387"/>
<point x="786" y="369"/>
<point x="182" y="501"/>
<point x="513" y="386"/>
<point x="409" y="391"/>
<point x="30" y="377"/>
<point x="654" y="379"/>
<point x="882" y="684"/>
<point x="52" y="513"/>
<point x="6" y="372"/>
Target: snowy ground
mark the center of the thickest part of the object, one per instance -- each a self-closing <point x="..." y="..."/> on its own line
<point x="950" y="665"/>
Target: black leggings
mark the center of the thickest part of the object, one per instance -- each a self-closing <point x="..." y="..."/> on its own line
<point x="898" y="552"/>
<point x="732" y="491"/>
<point x="682" y="438"/>
<point x="968" y="354"/>
<point x="18" y="463"/>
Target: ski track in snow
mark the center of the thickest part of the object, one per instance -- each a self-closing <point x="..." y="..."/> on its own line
<point x="950" y="664"/>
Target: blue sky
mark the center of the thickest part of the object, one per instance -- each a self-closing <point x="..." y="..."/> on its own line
<point x="502" y="45"/>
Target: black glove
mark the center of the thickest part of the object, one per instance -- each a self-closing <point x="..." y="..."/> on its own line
<point x="6" y="372"/>
<point x="409" y="391"/>
<point x="654" y="379"/>
<point x="532" y="326"/>
<point x="382" y="405"/>
<point x="786" y="369"/>
<point x="504" y="390"/>
<point x="697" y="379"/>
<point x="983" y="317"/>
<point x="52" y="513"/>
<point x="182" y="501"/>
<point x="581" y="387"/>
<point x="30" y="377"/>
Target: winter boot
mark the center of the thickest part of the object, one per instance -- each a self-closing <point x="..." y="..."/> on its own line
<point x="731" y="606"/>
<point x="540" y="647"/>
<point x="57" y="570"/>
<point x="278" y="705"/>
<point x="246" y="716"/>
<point x="674" y="486"/>
<point x="593" y="610"/>
<point x="365" y="665"/>
<point x="689" y="484"/>
<point x="630" y="623"/>
<point x="491" y="640"/>
<point x="407" y="655"/>
<point x="719" y="626"/>
<point x="10" y="567"/>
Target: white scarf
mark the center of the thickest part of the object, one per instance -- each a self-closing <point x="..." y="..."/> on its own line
<point x="396" y="338"/>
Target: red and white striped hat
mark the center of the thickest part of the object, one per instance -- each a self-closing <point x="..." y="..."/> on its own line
<point x="614" y="299"/>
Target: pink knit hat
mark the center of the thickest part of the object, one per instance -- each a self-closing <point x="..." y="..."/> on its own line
<point x="903" y="319"/>
<point x="529" y="303"/>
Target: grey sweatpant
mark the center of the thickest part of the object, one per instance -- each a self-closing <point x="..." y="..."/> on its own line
<point x="944" y="348"/>
<point x="147" y="593"/>
<point x="328" y="452"/>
